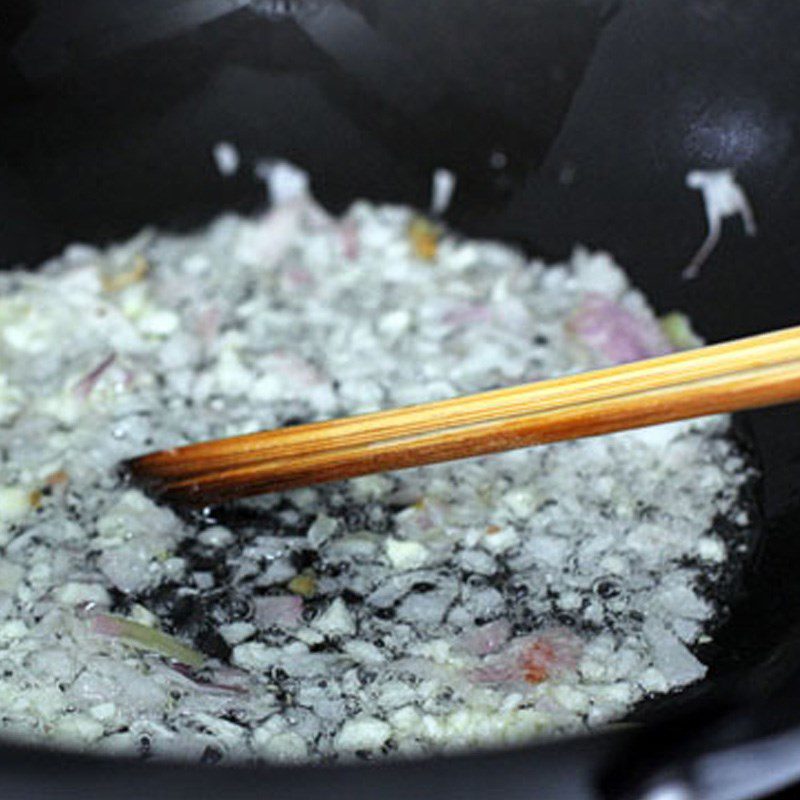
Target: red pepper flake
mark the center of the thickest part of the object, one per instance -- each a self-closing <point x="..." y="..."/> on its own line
<point x="552" y="652"/>
<point x="532" y="659"/>
<point x="536" y="660"/>
<point x="56" y="478"/>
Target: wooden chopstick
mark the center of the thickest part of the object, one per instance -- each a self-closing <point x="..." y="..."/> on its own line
<point x="654" y="373"/>
<point x="747" y="373"/>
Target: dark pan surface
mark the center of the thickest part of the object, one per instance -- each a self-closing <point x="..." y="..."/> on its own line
<point x="599" y="109"/>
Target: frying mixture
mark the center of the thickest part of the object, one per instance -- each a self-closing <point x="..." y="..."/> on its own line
<point x="475" y="603"/>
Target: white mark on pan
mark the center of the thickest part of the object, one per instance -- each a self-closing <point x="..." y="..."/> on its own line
<point x="723" y="197"/>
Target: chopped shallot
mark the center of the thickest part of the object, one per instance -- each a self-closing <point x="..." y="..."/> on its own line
<point x="442" y="188"/>
<point x="467" y="314"/>
<point x="678" y="329"/>
<point x="295" y="277"/>
<point x="267" y="242"/>
<point x="532" y="659"/>
<point x="487" y="638"/>
<point x="204" y="684"/>
<point x="285" y="183"/>
<point x="85" y="385"/>
<point x="723" y="197"/>
<point x="145" y="638"/>
<point x="348" y="232"/>
<point x="285" y="611"/>
<point x="616" y="333"/>
<point x="207" y="324"/>
<point x="290" y="365"/>
<point x="393" y="614"/>
<point x="226" y="157"/>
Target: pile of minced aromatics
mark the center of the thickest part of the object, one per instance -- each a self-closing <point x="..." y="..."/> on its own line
<point x="474" y="603"/>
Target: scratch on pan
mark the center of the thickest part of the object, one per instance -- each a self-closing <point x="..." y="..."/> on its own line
<point x="723" y="197"/>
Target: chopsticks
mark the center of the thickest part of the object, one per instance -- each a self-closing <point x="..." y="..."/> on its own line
<point x="746" y="373"/>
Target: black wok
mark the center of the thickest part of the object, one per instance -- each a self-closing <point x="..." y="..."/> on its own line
<point x="566" y="121"/>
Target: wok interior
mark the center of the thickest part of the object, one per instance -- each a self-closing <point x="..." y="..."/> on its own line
<point x="92" y="154"/>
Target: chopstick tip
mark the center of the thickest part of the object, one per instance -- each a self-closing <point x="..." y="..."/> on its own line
<point x="139" y="474"/>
